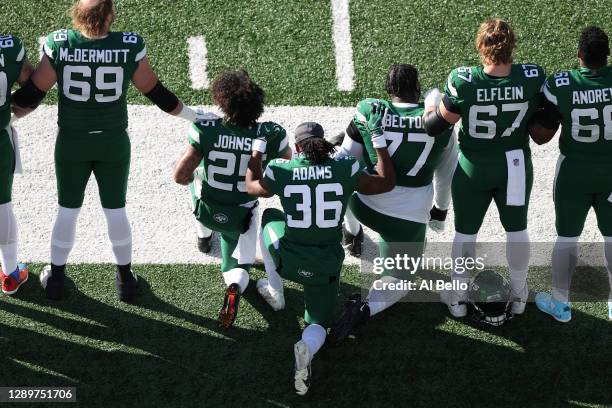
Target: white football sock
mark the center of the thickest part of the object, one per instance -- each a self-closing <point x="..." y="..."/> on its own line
<point x="62" y="237"/>
<point x="120" y="234"/>
<point x="8" y="239"/>
<point x="517" y="255"/>
<point x="564" y="260"/>
<point x="464" y="246"/>
<point x="351" y="224"/>
<point x="238" y="276"/>
<point x="379" y="300"/>
<point x="201" y="230"/>
<point x="314" y="337"/>
<point x="608" y="262"/>
<point x="274" y="279"/>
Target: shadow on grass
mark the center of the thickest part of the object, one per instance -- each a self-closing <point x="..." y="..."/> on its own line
<point x="167" y="350"/>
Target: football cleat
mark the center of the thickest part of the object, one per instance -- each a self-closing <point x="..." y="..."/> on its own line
<point x="204" y="244"/>
<point x="126" y="283"/>
<point x="455" y="307"/>
<point x="274" y="298"/>
<point x="303" y="371"/>
<point x="52" y="281"/>
<point x="356" y="313"/>
<point x="560" y="311"/>
<point x="229" y="311"/>
<point x="11" y="283"/>
<point x="352" y="243"/>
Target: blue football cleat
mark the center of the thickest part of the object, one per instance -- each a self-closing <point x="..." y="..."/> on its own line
<point x="561" y="311"/>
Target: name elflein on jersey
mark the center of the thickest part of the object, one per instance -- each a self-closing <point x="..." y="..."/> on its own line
<point x="220" y="218"/>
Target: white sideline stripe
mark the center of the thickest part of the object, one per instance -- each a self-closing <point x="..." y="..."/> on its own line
<point x="160" y="210"/>
<point x="345" y="71"/>
<point x="198" y="63"/>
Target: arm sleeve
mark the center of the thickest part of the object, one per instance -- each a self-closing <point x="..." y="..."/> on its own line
<point x="49" y="47"/>
<point x="269" y="177"/>
<point x="443" y="174"/>
<point x="350" y="147"/>
<point x="194" y="137"/>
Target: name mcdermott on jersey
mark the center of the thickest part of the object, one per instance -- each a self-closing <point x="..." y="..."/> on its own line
<point x="94" y="56"/>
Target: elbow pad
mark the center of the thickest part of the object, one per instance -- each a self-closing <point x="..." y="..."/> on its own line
<point x="548" y="117"/>
<point x="163" y="98"/>
<point x="434" y="123"/>
<point x="28" y="96"/>
<point x="353" y="132"/>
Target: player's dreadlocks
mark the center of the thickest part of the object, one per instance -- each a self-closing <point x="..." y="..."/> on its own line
<point x="316" y="150"/>
<point x="594" y="47"/>
<point x="495" y="42"/>
<point x="91" y="17"/>
<point x="403" y="81"/>
<point x="239" y="97"/>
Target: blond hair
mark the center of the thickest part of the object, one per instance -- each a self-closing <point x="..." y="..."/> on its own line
<point x="495" y="42"/>
<point x="92" y="20"/>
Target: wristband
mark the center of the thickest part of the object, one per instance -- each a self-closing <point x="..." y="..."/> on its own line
<point x="379" y="141"/>
<point x="259" y="145"/>
<point x="187" y="113"/>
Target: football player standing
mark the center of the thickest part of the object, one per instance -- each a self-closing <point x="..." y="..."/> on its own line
<point x="222" y="202"/>
<point x="494" y="102"/>
<point x="14" y="68"/>
<point x="304" y="243"/>
<point x="581" y="100"/>
<point x="401" y="215"/>
<point x="93" y="67"/>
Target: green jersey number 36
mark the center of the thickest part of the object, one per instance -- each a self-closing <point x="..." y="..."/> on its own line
<point x="321" y="206"/>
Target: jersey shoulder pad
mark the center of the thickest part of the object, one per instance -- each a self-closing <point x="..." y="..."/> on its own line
<point x="54" y="41"/>
<point x="350" y="163"/>
<point x="134" y="42"/>
<point x="364" y="107"/>
<point x="457" y="79"/>
<point x="13" y="47"/>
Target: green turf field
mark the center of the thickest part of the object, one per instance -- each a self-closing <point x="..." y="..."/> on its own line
<point x="167" y="350"/>
<point x="287" y="45"/>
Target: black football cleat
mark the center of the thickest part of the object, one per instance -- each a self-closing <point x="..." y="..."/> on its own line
<point x="356" y="313"/>
<point x="204" y="244"/>
<point x="229" y="310"/>
<point x="126" y="282"/>
<point x="352" y="243"/>
<point x="52" y="280"/>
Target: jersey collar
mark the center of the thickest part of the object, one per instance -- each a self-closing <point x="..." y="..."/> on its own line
<point x="405" y="105"/>
<point x="588" y="72"/>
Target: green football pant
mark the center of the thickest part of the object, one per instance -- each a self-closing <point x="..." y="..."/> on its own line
<point x="475" y="185"/>
<point x="7" y="167"/>
<point x="319" y="300"/>
<point x="396" y="236"/>
<point x="78" y="154"/>
<point x="580" y="185"/>
<point x="228" y="245"/>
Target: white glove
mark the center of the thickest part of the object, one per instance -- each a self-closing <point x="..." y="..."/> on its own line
<point x="433" y="97"/>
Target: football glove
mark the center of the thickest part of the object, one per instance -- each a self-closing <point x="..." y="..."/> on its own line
<point x="433" y="97"/>
<point x="375" y="125"/>
<point x="437" y="219"/>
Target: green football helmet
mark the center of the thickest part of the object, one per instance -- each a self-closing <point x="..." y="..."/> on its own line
<point x="489" y="295"/>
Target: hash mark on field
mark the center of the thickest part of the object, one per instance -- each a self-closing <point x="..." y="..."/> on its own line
<point x="198" y="62"/>
<point x="345" y="71"/>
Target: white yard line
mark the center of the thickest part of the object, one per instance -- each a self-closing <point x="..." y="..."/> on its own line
<point x="198" y="63"/>
<point x="345" y="71"/>
<point x="160" y="210"/>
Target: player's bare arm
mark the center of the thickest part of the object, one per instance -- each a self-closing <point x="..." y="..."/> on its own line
<point x="183" y="171"/>
<point x="255" y="184"/>
<point x="147" y="82"/>
<point x="34" y="87"/>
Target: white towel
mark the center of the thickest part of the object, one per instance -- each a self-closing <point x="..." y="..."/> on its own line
<point x="14" y="138"/>
<point x="515" y="190"/>
<point x="247" y="242"/>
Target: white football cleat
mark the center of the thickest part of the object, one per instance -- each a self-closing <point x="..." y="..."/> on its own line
<point x="450" y="299"/>
<point x="44" y="276"/>
<point x="519" y="300"/>
<point x="303" y="372"/>
<point x="276" y="299"/>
